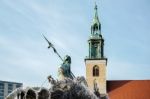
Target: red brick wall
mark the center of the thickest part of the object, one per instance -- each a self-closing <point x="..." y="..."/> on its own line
<point x="129" y="89"/>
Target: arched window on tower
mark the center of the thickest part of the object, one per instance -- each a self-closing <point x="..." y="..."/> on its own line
<point x="95" y="27"/>
<point x="95" y="70"/>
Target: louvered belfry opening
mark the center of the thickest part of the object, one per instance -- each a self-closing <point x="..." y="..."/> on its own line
<point x="95" y="70"/>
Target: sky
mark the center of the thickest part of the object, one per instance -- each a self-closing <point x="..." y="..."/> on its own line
<point x="24" y="56"/>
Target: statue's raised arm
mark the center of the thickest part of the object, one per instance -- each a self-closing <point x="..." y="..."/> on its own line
<point x="64" y="70"/>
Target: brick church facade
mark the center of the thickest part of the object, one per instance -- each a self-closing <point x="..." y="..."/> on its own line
<point x="96" y="71"/>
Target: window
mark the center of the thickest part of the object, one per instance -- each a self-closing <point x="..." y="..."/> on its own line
<point x="1" y="90"/>
<point x="96" y="71"/>
<point x="10" y="87"/>
<point x="19" y="85"/>
<point x="9" y="91"/>
<point x="1" y="86"/>
<point x="1" y="97"/>
<point x="1" y="94"/>
<point x="95" y="27"/>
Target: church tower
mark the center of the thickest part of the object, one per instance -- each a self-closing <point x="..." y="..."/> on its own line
<point x="96" y="62"/>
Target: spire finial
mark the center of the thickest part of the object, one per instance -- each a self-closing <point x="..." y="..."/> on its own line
<point x="96" y="26"/>
<point x="95" y="6"/>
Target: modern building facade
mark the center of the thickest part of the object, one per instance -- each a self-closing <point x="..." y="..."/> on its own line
<point x="7" y="87"/>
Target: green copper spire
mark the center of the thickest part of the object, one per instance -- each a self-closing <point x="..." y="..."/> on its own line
<point x="96" y="41"/>
<point x="96" y="26"/>
<point x="96" y="19"/>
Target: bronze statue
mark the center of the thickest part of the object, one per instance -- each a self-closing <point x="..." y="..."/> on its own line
<point x="64" y="71"/>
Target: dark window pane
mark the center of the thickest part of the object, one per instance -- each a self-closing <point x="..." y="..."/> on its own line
<point x="95" y="71"/>
<point x="10" y="86"/>
<point x="9" y="91"/>
<point x="1" y="97"/>
<point x="17" y="86"/>
<point x="1" y="85"/>
<point x="1" y="90"/>
<point x="1" y="94"/>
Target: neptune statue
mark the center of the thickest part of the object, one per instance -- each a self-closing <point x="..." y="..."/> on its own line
<point x="64" y="71"/>
<point x="67" y="86"/>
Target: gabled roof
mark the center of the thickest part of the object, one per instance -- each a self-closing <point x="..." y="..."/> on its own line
<point x="128" y="89"/>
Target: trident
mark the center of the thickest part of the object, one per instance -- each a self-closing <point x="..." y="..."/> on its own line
<point x="50" y="45"/>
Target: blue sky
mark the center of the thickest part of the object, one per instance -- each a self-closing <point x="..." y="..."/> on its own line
<point x="24" y="56"/>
